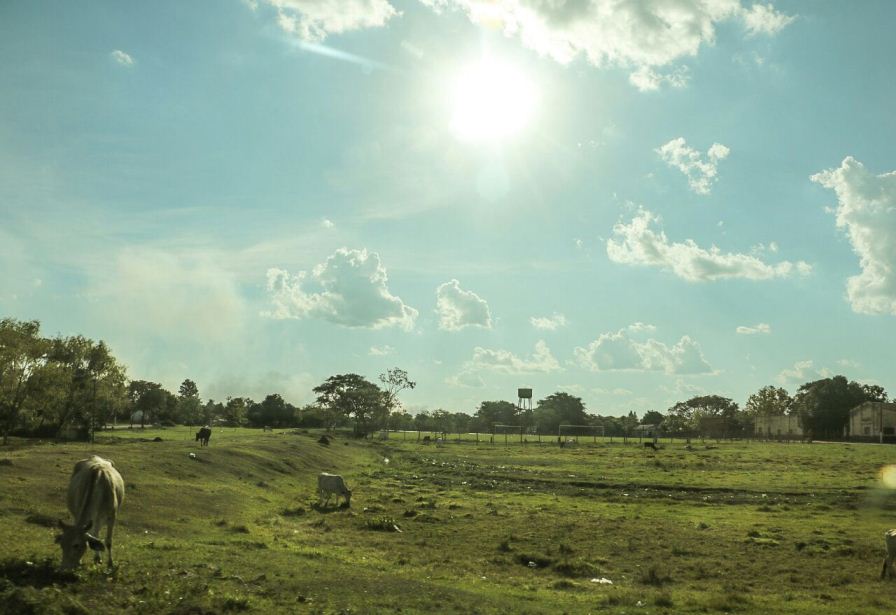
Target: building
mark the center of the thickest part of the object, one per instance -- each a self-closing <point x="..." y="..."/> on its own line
<point x="875" y="419"/>
<point x="784" y="426"/>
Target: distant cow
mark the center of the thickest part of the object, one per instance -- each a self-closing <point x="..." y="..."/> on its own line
<point x="95" y="493"/>
<point x="203" y="435"/>
<point x="332" y="484"/>
<point x="650" y="445"/>
<point x="890" y="540"/>
<point x="267" y="428"/>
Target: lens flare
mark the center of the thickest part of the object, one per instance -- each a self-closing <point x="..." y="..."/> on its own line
<point x="887" y="476"/>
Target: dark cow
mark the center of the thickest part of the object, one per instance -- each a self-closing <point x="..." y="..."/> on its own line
<point x="95" y="493"/>
<point x="204" y="435"/>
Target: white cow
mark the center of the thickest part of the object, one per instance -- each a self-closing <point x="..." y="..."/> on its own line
<point x="332" y="484"/>
<point x="95" y="493"/>
<point x="890" y="540"/>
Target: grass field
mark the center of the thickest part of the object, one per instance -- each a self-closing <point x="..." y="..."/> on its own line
<point x="731" y="527"/>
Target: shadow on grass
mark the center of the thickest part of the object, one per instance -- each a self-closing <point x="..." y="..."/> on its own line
<point x="317" y="507"/>
<point x="35" y="574"/>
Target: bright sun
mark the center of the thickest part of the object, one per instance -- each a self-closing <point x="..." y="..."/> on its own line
<point x="491" y="101"/>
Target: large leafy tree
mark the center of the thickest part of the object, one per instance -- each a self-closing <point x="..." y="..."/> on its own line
<point x="273" y="411"/>
<point x="151" y="400"/>
<point x="769" y="401"/>
<point x="652" y="417"/>
<point x="355" y="397"/>
<point x="500" y="412"/>
<point x="559" y="409"/>
<point x="708" y="415"/>
<point x="824" y="405"/>
<point x="22" y="355"/>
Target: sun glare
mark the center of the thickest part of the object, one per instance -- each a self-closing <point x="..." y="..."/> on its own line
<point x="491" y="101"/>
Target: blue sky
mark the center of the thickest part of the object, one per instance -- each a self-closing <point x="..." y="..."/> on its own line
<point x="689" y="197"/>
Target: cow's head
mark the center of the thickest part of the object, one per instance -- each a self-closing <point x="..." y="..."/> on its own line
<point x="348" y="497"/>
<point x="74" y="541"/>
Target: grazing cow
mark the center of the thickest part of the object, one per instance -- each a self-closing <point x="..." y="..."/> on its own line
<point x="890" y="560"/>
<point x="332" y="484"/>
<point x="267" y="428"/>
<point x="650" y="445"/>
<point x="203" y="435"/>
<point x="95" y="493"/>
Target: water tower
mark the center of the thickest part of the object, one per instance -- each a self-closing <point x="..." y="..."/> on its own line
<point x="525" y="399"/>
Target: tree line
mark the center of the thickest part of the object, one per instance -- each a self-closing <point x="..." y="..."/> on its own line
<point x="50" y="386"/>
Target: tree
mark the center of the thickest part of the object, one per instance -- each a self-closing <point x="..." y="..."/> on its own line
<point x="150" y="400"/>
<point x="824" y="405"/>
<point x="394" y="381"/>
<point x="354" y="396"/>
<point x="500" y="412"/>
<point x="769" y="401"/>
<point x="652" y="417"/>
<point x="273" y="411"/>
<point x="234" y="411"/>
<point x="709" y="415"/>
<point x="874" y="392"/>
<point x="22" y="354"/>
<point x="188" y="403"/>
<point x="559" y="409"/>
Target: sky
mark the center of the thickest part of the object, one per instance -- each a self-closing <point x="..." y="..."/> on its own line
<point x="632" y="202"/>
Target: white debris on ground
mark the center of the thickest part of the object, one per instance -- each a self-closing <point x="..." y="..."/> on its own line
<point x="602" y="581"/>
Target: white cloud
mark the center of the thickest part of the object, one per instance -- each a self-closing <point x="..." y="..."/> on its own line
<point x="122" y="58"/>
<point x="548" y="323"/>
<point x="802" y="372"/>
<point x="618" y="351"/>
<point x="349" y="289"/>
<point x="701" y="172"/>
<point x="641" y="327"/>
<point x="637" y="243"/>
<point x="646" y="79"/>
<point x="867" y="212"/>
<point x="314" y="20"/>
<point x="458" y="308"/>
<point x="381" y="351"/>
<point x="759" y="328"/>
<point x="327" y="223"/>
<point x="637" y="34"/>
<point x="506" y="362"/>
<point x="764" y="19"/>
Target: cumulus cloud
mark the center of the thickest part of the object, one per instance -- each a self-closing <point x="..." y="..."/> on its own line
<point x="867" y="212"/>
<point x="764" y="19"/>
<point x="349" y="289"/>
<point x="381" y="351"/>
<point x="327" y="223"/>
<point x="548" y="323"/>
<point x="701" y="171"/>
<point x="122" y="58"/>
<point x="637" y="243"/>
<point x="618" y="351"/>
<point x="802" y="372"/>
<point x="638" y="34"/>
<point x="458" y="308"/>
<point x="314" y="20"/>
<point x="759" y="328"/>
<point x="504" y="361"/>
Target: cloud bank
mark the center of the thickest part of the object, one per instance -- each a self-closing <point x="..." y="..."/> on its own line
<point x="619" y="351"/>
<point x="867" y="212"/>
<point x="637" y="243"/>
<point x="643" y="35"/>
<point x="349" y="289"/>
<point x="314" y="20"/>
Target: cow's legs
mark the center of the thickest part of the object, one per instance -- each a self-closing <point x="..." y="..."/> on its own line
<point x="109" y="529"/>
<point x="97" y="553"/>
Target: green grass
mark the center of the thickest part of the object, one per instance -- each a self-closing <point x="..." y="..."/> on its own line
<point x="463" y="528"/>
